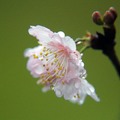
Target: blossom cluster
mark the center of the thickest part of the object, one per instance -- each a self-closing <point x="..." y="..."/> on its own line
<point x="58" y="65"/>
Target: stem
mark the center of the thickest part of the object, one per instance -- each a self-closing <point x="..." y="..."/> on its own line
<point x="83" y="48"/>
<point x="114" y="59"/>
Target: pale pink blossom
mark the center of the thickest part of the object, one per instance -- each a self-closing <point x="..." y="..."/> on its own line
<point x="58" y="65"/>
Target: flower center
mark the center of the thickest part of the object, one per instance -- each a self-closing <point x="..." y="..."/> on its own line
<point x="54" y="64"/>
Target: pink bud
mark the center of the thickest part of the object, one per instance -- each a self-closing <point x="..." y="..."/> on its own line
<point x="108" y="18"/>
<point x="97" y="18"/>
<point x="113" y="11"/>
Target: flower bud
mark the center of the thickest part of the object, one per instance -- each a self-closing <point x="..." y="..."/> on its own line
<point x="108" y="18"/>
<point x="113" y="11"/>
<point x="97" y="18"/>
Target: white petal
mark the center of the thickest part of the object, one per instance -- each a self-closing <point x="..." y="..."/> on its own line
<point x="45" y="89"/>
<point x="82" y="98"/>
<point x="43" y="34"/>
<point x="90" y="90"/>
<point x="30" y="51"/>
<point x="58" y="93"/>
<point x="68" y="41"/>
<point x="77" y="84"/>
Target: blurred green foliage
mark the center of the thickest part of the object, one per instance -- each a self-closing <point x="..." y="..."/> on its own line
<point x="20" y="97"/>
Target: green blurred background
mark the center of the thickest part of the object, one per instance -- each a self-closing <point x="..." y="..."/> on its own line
<point x="20" y="97"/>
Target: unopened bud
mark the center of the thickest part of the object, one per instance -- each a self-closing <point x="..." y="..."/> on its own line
<point x="108" y="18"/>
<point x="97" y="18"/>
<point x="114" y="12"/>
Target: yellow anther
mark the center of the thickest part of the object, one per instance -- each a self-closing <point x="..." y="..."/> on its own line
<point x="35" y="56"/>
<point x="52" y="87"/>
<point x="59" y="64"/>
<point x="74" y="96"/>
<point x="55" y="60"/>
<point x="47" y="69"/>
<point x="78" y="95"/>
<point x="51" y="82"/>
<point x="46" y="54"/>
<point x="44" y="48"/>
<point x="42" y="76"/>
<point x="55" y="55"/>
<point x="41" y="59"/>
<point x="63" y="74"/>
<point x="40" y="53"/>
<point x="48" y="73"/>
<point x="39" y="43"/>
<point x="63" y="82"/>
<point x="52" y="63"/>
<point x="60" y="68"/>
<point x="58" y="76"/>
<point x="50" y="77"/>
<point x="46" y="59"/>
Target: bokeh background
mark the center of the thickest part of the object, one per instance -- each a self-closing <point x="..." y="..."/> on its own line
<point x="20" y="97"/>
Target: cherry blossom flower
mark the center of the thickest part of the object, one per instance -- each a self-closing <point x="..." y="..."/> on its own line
<point x="58" y="65"/>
